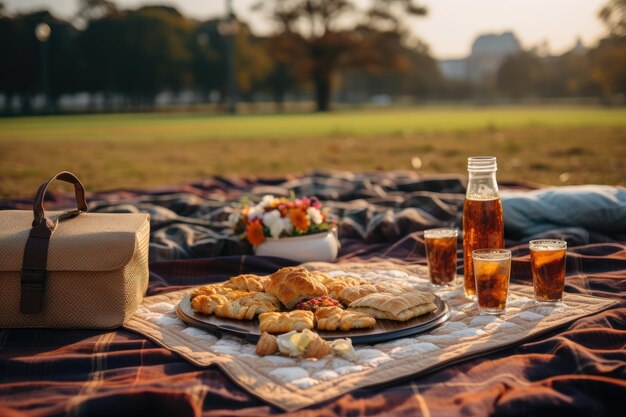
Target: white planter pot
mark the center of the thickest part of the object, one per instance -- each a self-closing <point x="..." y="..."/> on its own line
<point x="308" y="248"/>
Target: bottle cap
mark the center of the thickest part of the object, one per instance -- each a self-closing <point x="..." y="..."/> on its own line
<point x="482" y="164"/>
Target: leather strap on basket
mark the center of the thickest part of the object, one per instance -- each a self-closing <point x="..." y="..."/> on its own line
<point x="34" y="264"/>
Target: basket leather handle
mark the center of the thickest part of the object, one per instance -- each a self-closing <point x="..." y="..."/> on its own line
<point x="79" y="192"/>
<point x="34" y="263"/>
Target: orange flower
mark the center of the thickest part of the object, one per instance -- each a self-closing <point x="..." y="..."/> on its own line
<point x="299" y="219"/>
<point x="254" y="232"/>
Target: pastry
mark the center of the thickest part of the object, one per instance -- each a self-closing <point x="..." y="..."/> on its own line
<point x="211" y="289"/>
<point x="293" y="284"/>
<point x="266" y="345"/>
<point x="401" y="307"/>
<point x="247" y="306"/>
<point x="285" y="322"/>
<point x="334" y="285"/>
<point x="206" y="304"/>
<point x="314" y="303"/>
<point x="206" y="298"/>
<point x="317" y="348"/>
<point x="350" y="294"/>
<point x="246" y="282"/>
<point x="320" y="276"/>
<point x="333" y="318"/>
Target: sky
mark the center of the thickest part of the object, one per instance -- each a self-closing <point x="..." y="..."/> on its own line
<point x="449" y="29"/>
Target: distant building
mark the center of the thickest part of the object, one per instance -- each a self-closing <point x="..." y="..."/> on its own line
<point x="454" y="69"/>
<point x="579" y="48"/>
<point x="488" y="53"/>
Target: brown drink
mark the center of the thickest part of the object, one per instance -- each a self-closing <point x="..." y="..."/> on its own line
<point x="482" y="228"/>
<point x="547" y="259"/>
<point x="492" y="269"/>
<point x="441" y="254"/>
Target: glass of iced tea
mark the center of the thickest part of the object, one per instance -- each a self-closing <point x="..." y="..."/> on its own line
<point x="441" y="254"/>
<point x="492" y="270"/>
<point x="547" y="257"/>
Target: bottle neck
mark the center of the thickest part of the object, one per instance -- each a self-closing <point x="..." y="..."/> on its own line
<point x="482" y="186"/>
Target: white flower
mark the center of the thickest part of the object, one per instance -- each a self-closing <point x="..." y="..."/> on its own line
<point x="287" y="225"/>
<point x="256" y="212"/>
<point x="315" y="215"/>
<point x="271" y="217"/>
<point x="267" y="200"/>
<point x="276" y="229"/>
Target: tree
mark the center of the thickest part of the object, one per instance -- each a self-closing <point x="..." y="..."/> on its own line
<point x="608" y="67"/>
<point x="414" y="74"/>
<point x="614" y="17"/>
<point x="21" y="69"/>
<point x="96" y="9"/>
<point x="608" y="60"/>
<point x="519" y="75"/>
<point x="138" y="53"/>
<point x="210" y="68"/>
<point x="317" y="37"/>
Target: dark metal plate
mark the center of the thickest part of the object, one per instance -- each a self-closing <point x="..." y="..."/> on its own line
<point x="383" y="331"/>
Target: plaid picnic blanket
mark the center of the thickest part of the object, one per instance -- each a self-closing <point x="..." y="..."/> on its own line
<point x="580" y="370"/>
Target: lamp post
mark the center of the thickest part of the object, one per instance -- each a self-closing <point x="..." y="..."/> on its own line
<point x="42" y="32"/>
<point x="229" y="28"/>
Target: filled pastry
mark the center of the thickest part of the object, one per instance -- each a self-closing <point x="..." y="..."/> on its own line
<point x="336" y="318"/>
<point x="206" y="303"/>
<point x="334" y="285"/>
<point x="315" y="303"/>
<point x="353" y="293"/>
<point x="246" y="282"/>
<point x="211" y="289"/>
<point x="294" y="284"/>
<point x="401" y="307"/>
<point x="286" y="322"/>
<point x="248" y="306"/>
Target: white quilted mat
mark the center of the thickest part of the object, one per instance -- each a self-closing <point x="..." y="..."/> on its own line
<point x="291" y="384"/>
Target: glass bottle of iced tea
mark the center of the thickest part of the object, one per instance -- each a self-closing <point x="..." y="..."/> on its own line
<point x="482" y="215"/>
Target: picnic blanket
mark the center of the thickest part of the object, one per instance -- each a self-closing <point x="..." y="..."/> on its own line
<point x="579" y="370"/>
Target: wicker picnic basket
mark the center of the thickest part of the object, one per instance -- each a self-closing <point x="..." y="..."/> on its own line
<point x="71" y="269"/>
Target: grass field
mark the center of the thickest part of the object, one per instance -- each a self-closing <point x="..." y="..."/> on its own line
<point x="551" y="145"/>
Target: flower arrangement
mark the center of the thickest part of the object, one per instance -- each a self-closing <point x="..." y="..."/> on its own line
<point x="276" y="217"/>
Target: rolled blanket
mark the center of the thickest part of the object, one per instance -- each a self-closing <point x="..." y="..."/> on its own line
<point x="579" y="214"/>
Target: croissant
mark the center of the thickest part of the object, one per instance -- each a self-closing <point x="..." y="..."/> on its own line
<point x="285" y="322"/>
<point x="245" y="282"/>
<point x="333" y="318"/>
<point x="293" y="284"/>
<point x="318" y="348"/>
<point x="266" y="345"/>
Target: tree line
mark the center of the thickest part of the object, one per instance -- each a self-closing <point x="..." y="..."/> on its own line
<point x="127" y="57"/>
